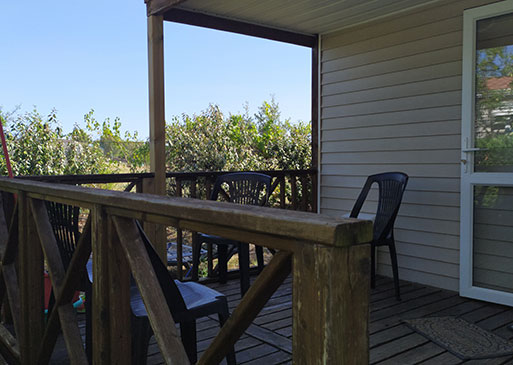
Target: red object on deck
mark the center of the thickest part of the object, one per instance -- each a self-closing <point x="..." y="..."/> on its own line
<point x="4" y="147"/>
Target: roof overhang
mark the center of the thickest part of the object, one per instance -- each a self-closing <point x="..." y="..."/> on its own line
<point x="298" y="17"/>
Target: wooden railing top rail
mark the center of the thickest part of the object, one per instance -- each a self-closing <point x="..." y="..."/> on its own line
<point x="231" y="220"/>
<point x="129" y="177"/>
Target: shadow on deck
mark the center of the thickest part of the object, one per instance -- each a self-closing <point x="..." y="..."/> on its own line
<point x="269" y="339"/>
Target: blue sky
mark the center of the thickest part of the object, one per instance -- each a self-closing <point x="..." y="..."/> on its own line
<point x="74" y="56"/>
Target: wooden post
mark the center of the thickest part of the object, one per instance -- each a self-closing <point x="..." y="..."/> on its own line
<point x="315" y="120"/>
<point x="31" y="284"/>
<point x="119" y="301"/>
<point x="101" y="320"/>
<point x="157" y="122"/>
<point x="157" y="101"/>
<point x="331" y="305"/>
<point x="156" y="232"/>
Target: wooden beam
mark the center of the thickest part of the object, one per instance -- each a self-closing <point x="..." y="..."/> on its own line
<point x="331" y="305"/>
<point x="160" y="317"/>
<point x="158" y="7"/>
<point x="157" y="122"/>
<point x="119" y="301"/>
<point x="157" y="102"/>
<point x="251" y="304"/>
<point x="235" y="26"/>
<point x="31" y="284"/>
<point x="101" y="320"/>
<point x="315" y="121"/>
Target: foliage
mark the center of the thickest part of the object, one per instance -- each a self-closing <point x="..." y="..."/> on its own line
<point x="212" y="142"/>
<point x="37" y="146"/>
<point x="209" y="141"/>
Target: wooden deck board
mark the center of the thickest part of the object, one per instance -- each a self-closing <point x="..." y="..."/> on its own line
<point x="269" y="339"/>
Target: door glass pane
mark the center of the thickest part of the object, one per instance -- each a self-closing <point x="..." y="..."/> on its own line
<point x="493" y="238"/>
<point x="493" y="129"/>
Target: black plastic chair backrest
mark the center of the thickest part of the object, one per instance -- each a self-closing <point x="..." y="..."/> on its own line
<point x="391" y="188"/>
<point x="249" y="188"/>
<point x="171" y="292"/>
<point x="64" y="221"/>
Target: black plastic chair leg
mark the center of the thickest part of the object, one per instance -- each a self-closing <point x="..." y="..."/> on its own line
<point x="196" y="249"/>
<point x="259" y="250"/>
<point x="222" y="257"/>
<point x="243" y="267"/>
<point x="395" y="270"/>
<point x="188" y="333"/>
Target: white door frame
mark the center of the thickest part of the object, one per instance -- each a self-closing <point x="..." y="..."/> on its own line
<point x="468" y="177"/>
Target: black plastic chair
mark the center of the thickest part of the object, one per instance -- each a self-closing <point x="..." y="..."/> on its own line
<point x="186" y="301"/>
<point x="247" y="188"/>
<point x="391" y="187"/>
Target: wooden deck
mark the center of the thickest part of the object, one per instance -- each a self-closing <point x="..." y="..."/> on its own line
<point x="268" y="340"/>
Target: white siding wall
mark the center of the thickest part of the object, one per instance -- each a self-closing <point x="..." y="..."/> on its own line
<point x="391" y="101"/>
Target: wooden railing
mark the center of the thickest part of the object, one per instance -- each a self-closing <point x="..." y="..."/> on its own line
<point x="328" y="257"/>
<point x="290" y="189"/>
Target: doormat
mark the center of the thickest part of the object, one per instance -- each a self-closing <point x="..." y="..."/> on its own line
<point x="461" y="338"/>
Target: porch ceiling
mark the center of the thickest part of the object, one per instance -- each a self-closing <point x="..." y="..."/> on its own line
<point x="300" y="16"/>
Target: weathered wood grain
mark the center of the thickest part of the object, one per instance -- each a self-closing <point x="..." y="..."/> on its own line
<point x="297" y="225"/>
<point x="119" y="301"/>
<point x="331" y="305"/>
<point x="159" y="315"/>
<point x="31" y="284"/>
<point x="101" y="320"/>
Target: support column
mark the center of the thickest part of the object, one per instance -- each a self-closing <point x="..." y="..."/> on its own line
<point x="331" y="305"/>
<point x="157" y="118"/>
<point x="315" y="123"/>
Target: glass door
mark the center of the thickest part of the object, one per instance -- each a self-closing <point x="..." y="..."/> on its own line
<point x="486" y="260"/>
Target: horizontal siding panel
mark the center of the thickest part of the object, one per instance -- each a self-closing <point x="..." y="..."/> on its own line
<point x="429" y="225"/>
<point x="428" y="252"/>
<point x="425" y="59"/>
<point x="420" y="264"/>
<point x="432" y="129"/>
<point x="400" y="117"/>
<point x="405" y="143"/>
<point x="343" y="199"/>
<point x="450" y="185"/>
<point x="397" y="45"/>
<point x="428" y="238"/>
<point x="384" y="106"/>
<point x="433" y="156"/>
<point x="347" y="80"/>
<point x="400" y="22"/>
<point x="438" y="280"/>
<point x="394" y="92"/>
<point x="399" y="52"/>
<point x="434" y="170"/>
